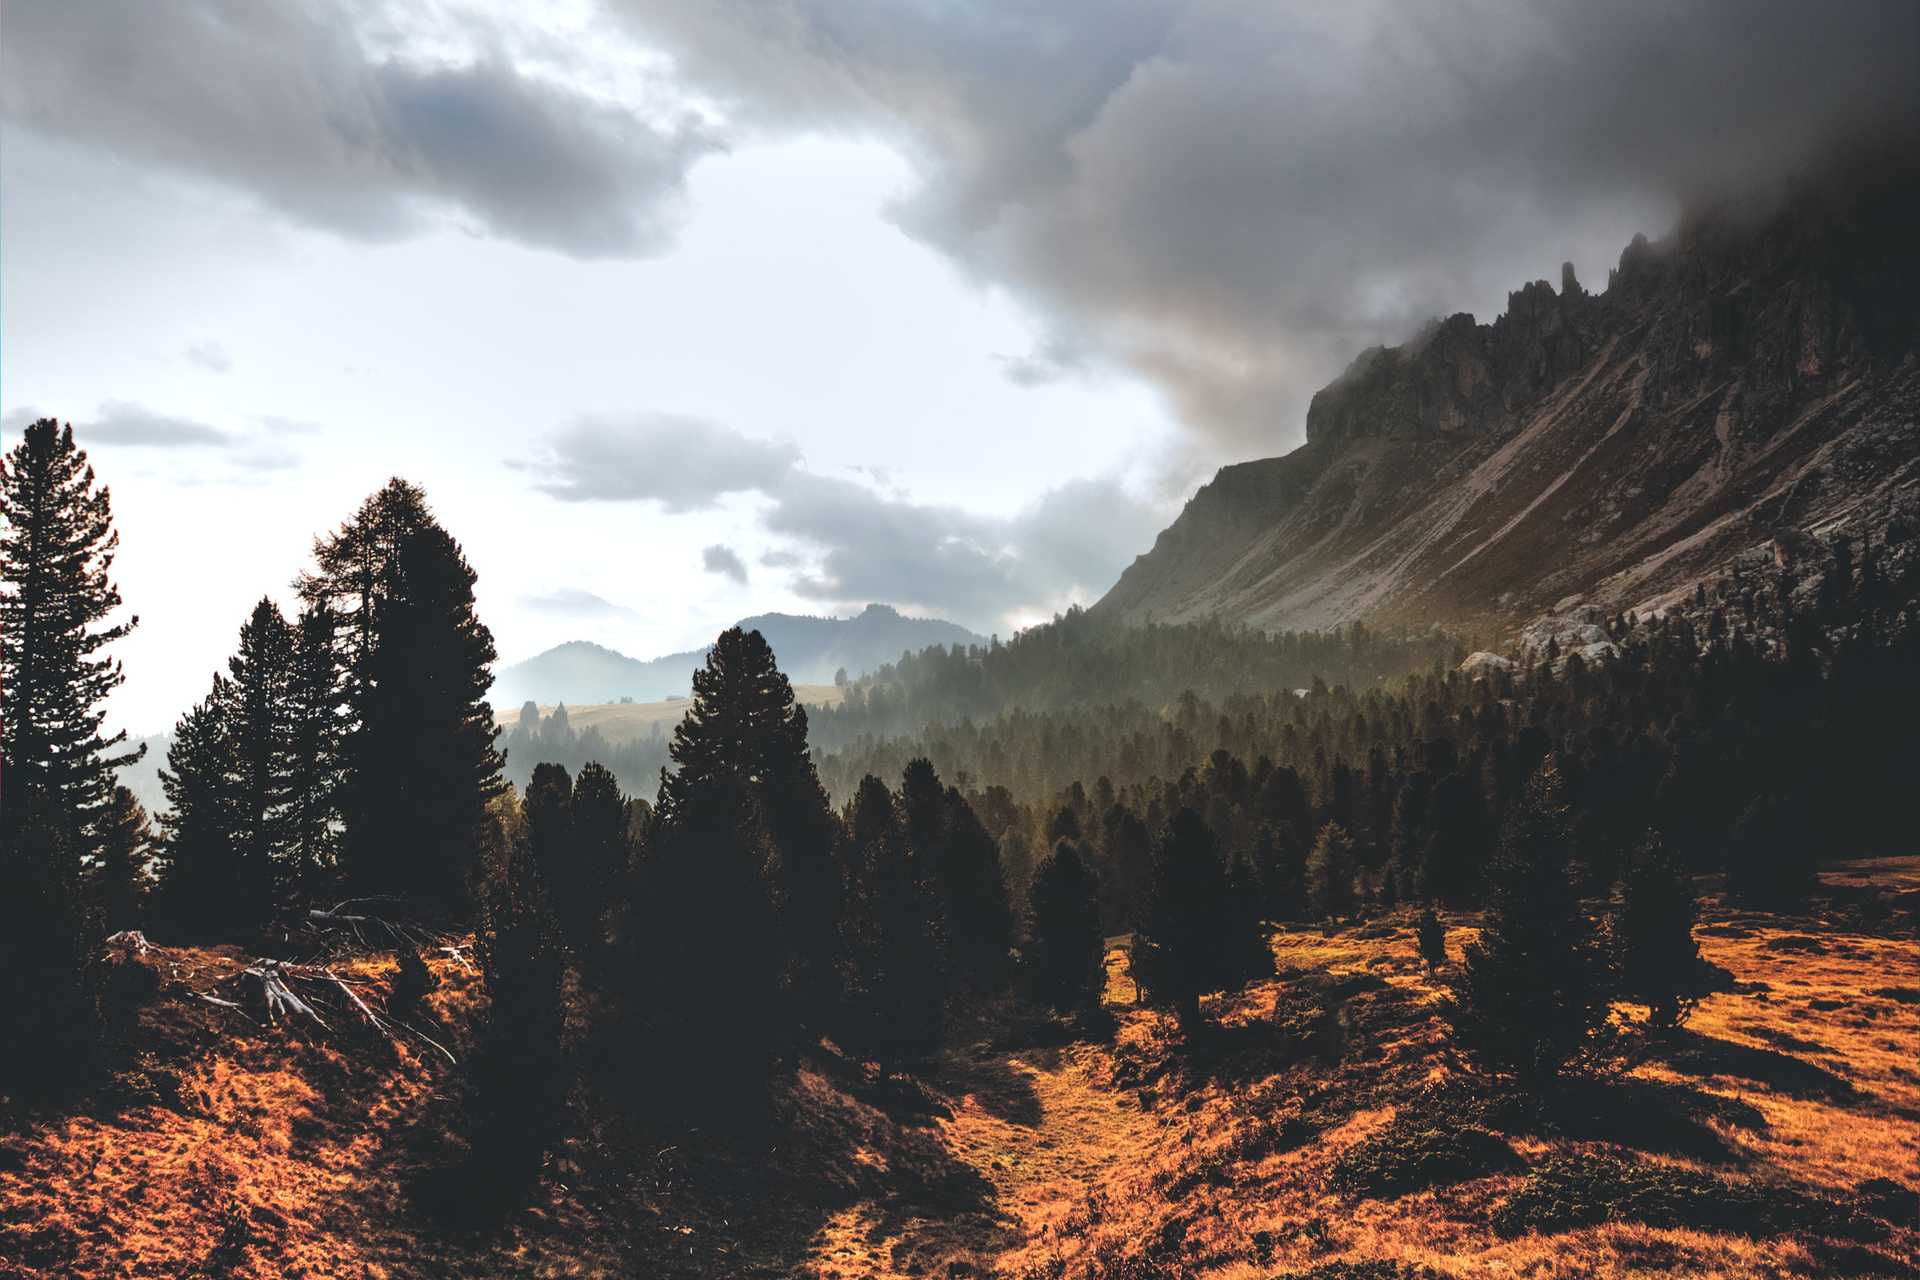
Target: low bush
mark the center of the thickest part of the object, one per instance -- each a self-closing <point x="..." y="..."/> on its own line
<point x="1573" y="1191"/>
<point x="1415" y="1152"/>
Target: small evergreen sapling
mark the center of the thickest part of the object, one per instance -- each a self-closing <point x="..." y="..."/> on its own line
<point x="1531" y="992"/>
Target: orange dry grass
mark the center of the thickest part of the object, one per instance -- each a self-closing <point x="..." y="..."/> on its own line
<point x="1021" y="1152"/>
<point x="255" y="1149"/>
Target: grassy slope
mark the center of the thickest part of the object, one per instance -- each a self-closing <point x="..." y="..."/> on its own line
<point x="1024" y="1153"/>
<point x="626" y="721"/>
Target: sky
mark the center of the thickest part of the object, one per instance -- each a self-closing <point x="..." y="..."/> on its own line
<point x="683" y="310"/>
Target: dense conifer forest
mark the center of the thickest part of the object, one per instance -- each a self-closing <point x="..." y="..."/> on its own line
<point x="969" y="826"/>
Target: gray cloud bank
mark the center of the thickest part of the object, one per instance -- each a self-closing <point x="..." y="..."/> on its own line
<point x="125" y="424"/>
<point x="1233" y="197"/>
<point x="844" y="543"/>
<point x="294" y="104"/>
<point x="1230" y="197"/>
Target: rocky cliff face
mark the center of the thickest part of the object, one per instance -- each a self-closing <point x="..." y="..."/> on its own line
<point x="1751" y="379"/>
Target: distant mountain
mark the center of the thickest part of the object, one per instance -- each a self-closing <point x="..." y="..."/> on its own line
<point x="810" y="651"/>
<point x="1743" y="389"/>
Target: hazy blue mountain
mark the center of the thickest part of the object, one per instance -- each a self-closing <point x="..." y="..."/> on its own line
<point x="810" y="651"/>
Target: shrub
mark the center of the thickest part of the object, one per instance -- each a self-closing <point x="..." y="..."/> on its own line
<point x="1415" y="1152"/>
<point x="1574" y="1191"/>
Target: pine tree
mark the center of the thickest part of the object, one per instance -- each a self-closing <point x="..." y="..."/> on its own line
<point x="897" y="981"/>
<point x="744" y="725"/>
<point x="1065" y="951"/>
<point x="420" y="761"/>
<point x="207" y="885"/>
<point x="1450" y="861"/>
<point x="56" y="551"/>
<point x="1530" y="993"/>
<point x="1126" y="873"/>
<point x="311" y="819"/>
<point x="1280" y="860"/>
<point x="258" y="675"/>
<point x="518" y="1071"/>
<point x="49" y="994"/>
<point x="601" y="822"/>
<point x="124" y="874"/>
<point x="1330" y="873"/>
<point x="548" y="810"/>
<point x="1189" y="942"/>
<point x="1771" y="863"/>
<point x="1651" y="934"/>
<point x="950" y="846"/>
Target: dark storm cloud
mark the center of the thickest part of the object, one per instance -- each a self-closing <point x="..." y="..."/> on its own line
<point x="683" y="463"/>
<point x="288" y="102"/>
<point x="1234" y="197"/>
<point x="572" y="602"/>
<point x="724" y="561"/>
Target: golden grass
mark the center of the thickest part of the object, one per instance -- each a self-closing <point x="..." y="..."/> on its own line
<point x="1029" y="1153"/>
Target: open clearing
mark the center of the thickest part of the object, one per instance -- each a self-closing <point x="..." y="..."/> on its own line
<point x="256" y="1151"/>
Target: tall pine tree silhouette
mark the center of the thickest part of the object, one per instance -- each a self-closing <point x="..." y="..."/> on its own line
<point x="207" y="886"/>
<point x="259" y="673"/>
<point x="1192" y="940"/>
<point x="1065" y="948"/>
<point x="744" y="726"/>
<point x="420" y="761"/>
<point x="56" y="604"/>
<point x="312" y="754"/>
<point x="710" y="934"/>
<point x="56" y="553"/>
<point x="896" y="991"/>
<point x="123" y="876"/>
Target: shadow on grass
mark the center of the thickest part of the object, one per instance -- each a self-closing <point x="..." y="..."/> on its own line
<point x="1696" y="1054"/>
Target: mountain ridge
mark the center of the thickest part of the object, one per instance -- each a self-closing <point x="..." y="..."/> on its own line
<point x="1742" y="386"/>
<point x="810" y="651"/>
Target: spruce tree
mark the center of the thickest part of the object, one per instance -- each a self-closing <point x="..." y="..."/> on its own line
<point x="312" y="782"/>
<point x="56" y="599"/>
<point x="1651" y="934"/>
<point x="259" y="673"/>
<point x="1190" y="941"/>
<point x="1065" y="951"/>
<point x="1330" y="873"/>
<point x="601" y="820"/>
<point x="518" y="1072"/>
<point x="897" y="980"/>
<point x="954" y="850"/>
<point x="548" y="809"/>
<point x="1531" y="992"/>
<point x="745" y="726"/>
<point x="1280" y="860"/>
<point x="124" y="874"/>
<point x="710" y="951"/>
<point x="1770" y="865"/>
<point x="420" y="761"/>
<point x="1450" y="860"/>
<point x="49" y="941"/>
<point x="207" y="884"/>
